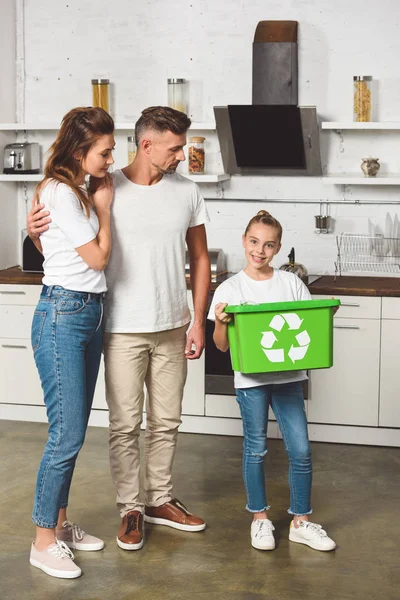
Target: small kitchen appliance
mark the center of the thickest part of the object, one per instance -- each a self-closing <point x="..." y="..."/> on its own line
<point x="21" y="158"/>
<point x="32" y="259"/>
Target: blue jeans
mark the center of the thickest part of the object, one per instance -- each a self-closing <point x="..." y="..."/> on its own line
<point x="287" y="403"/>
<point x="66" y="340"/>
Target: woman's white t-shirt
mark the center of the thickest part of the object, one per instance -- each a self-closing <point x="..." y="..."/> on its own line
<point x="283" y="286"/>
<point x="69" y="229"/>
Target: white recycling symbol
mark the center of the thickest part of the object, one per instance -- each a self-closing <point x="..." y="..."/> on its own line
<point x="269" y="338"/>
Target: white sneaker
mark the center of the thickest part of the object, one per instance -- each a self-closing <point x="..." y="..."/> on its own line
<point x="311" y="534"/>
<point x="56" y="560"/>
<point x="76" y="538"/>
<point x="262" y="537"/>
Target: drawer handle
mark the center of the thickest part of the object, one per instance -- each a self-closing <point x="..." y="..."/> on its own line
<point x="353" y="304"/>
<point x="13" y="293"/>
<point x="346" y="327"/>
<point x="14" y="346"/>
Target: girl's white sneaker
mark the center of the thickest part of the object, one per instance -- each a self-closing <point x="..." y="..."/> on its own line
<point x="262" y="537"/>
<point x="56" y="560"/>
<point x="311" y="534"/>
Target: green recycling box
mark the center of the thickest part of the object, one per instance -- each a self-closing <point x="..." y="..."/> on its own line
<point x="281" y="336"/>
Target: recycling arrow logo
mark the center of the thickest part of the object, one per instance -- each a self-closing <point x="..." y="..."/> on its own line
<point x="296" y="352"/>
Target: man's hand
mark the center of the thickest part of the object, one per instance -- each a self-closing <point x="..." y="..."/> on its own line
<point x="37" y="221"/>
<point x="195" y="342"/>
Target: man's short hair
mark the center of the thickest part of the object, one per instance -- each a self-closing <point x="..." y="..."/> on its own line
<point x="161" y="118"/>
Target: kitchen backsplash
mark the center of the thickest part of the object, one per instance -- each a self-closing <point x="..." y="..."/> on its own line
<point x="316" y="251"/>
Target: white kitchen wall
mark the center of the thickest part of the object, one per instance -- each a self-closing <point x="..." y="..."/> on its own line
<point x="138" y="44"/>
<point x="8" y="205"/>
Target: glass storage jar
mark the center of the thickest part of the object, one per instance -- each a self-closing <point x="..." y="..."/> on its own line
<point x="177" y="94"/>
<point x="196" y="155"/>
<point x="362" y="98"/>
<point x="131" y="148"/>
<point x="100" y="91"/>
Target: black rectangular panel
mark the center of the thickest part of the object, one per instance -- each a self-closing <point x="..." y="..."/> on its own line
<point x="267" y="136"/>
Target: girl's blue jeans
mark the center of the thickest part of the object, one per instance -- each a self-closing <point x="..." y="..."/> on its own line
<point x="66" y="340"/>
<point x="287" y="403"/>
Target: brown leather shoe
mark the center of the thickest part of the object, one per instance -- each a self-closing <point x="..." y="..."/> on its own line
<point x="174" y="514"/>
<point x="130" y="533"/>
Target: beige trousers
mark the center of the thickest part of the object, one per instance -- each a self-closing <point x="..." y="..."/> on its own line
<point x="132" y="360"/>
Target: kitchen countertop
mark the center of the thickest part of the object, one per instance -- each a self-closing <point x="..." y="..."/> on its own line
<point x="326" y="284"/>
<point x="346" y="285"/>
<point x="15" y="275"/>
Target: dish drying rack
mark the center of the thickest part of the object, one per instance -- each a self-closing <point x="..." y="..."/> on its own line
<point x="359" y="252"/>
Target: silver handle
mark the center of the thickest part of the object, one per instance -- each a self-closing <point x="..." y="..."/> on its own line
<point x="14" y="293"/>
<point x="350" y="304"/>
<point x="346" y="327"/>
<point x="14" y="346"/>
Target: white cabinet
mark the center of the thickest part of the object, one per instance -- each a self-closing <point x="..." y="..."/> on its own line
<point x="347" y="394"/>
<point x="20" y="382"/>
<point x="194" y="393"/>
<point x="389" y="397"/>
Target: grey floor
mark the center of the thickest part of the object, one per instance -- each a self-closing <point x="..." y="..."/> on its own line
<point x="356" y="494"/>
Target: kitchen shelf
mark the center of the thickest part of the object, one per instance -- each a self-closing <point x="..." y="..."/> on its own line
<point x="37" y="177"/>
<point x="339" y="125"/>
<point x="359" y="179"/>
<point x="196" y="125"/>
<point x="206" y="178"/>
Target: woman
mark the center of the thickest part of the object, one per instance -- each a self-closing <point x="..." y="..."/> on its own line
<point x="67" y="324"/>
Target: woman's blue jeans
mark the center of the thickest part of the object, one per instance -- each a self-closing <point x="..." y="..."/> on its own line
<point x="67" y="341"/>
<point x="287" y="403"/>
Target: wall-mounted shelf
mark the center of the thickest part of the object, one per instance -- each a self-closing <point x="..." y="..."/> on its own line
<point x="359" y="179"/>
<point x="340" y="125"/>
<point x="206" y="178"/>
<point x="37" y="177"/>
<point x="196" y="125"/>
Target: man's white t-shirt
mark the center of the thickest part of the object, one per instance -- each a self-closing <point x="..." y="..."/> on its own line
<point x="283" y="286"/>
<point x="146" y="271"/>
<point x="69" y="229"/>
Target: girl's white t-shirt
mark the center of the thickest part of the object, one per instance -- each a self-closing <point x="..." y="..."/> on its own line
<point x="283" y="286"/>
<point x="69" y="229"/>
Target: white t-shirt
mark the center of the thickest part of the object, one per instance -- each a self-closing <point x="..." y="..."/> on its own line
<point x="283" y="286"/>
<point x="146" y="271"/>
<point x="69" y="229"/>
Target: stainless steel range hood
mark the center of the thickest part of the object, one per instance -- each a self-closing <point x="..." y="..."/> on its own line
<point x="272" y="136"/>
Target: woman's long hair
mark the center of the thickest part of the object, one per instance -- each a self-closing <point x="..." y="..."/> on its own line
<point x="80" y="129"/>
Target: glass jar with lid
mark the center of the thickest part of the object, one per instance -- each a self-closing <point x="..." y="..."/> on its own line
<point x="362" y="98"/>
<point x="196" y="155"/>
<point x="100" y="92"/>
<point x="177" y="94"/>
<point x="131" y="148"/>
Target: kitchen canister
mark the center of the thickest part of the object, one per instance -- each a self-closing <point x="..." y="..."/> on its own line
<point x="196" y="153"/>
<point x="101" y="93"/>
<point x="362" y="99"/>
<point x="131" y="148"/>
<point x="177" y="94"/>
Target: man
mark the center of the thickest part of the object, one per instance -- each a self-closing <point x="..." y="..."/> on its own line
<point x="155" y="211"/>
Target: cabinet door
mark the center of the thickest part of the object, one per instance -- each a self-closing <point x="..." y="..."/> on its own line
<point x="20" y="383"/>
<point x="347" y="394"/>
<point x="99" y="399"/>
<point x="194" y="393"/>
<point x="389" y="404"/>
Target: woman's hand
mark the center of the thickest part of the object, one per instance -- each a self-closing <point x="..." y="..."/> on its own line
<point x="220" y="315"/>
<point x="102" y="192"/>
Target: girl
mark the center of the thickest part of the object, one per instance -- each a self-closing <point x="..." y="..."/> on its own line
<point x="67" y="324"/>
<point x="260" y="283"/>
